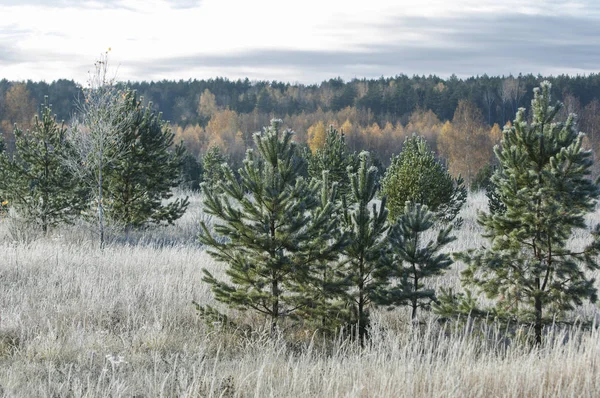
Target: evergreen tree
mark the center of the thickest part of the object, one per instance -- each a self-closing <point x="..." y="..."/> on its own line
<point x="325" y="292"/>
<point x="481" y="181"/>
<point x="367" y="251"/>
<point x="335" y="158"/>
<point x="35" y="181"/>
<point x="191" y="172"/>
<point x="145" y="173"/>
<point x="276" y="230"/>
<point x="495" y="204"/>
<point x="214" y="164"/>
<point x="529" y="268"/>
<point x="414" y="260"/>
<point x="415" y="175"/>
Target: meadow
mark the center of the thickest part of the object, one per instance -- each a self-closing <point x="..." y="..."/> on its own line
<point x="77" y="321"/>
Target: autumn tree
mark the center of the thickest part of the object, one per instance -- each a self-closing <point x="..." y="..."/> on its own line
<point x="316" y="136"/>
<point x="465" y="142"/>
<point x="18" y="108"/>
<point x="426" y="124"/>
<point x="194" y="138"/>
<point x="207" y="105"/>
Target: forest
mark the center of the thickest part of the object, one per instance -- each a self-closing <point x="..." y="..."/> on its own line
<point x="462" y="119"/>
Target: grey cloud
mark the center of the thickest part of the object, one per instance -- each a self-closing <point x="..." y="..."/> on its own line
<point x="8" y="56"/>
<point x="468" y="46"/>
<point x="8" y="53"/>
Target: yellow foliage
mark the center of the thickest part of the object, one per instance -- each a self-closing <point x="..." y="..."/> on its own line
<point x="207" y="105"/>
<point x="316" y="136"/>
<point x="194" y="138"/>
<point x="222" y="129"/>
<point x="465" y="142"/>
<point x="496" y="134"/>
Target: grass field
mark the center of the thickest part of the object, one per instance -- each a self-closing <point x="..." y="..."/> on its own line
<point x="76" y="321"/>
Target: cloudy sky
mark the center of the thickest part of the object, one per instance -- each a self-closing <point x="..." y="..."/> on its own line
<point x="297" y="41"/>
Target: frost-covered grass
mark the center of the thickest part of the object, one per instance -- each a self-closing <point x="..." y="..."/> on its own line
<point x="75" y="321"/>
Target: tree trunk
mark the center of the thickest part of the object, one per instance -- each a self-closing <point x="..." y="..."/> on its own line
<point x="100" y="209"/>
<point x="275" y="305"/>
<point x="274" y="287"/>
<point x="415" y="300"/>
<point x="362" y="327"/>
<point x="538" y="319"/>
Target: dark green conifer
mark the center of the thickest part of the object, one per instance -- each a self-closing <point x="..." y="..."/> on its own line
<point x="530" y="269"/>
<point x="367" y="226"/>
<point x="214" y="164"/>
<point x="271" y="229"/>
<point x="326" y="291"/>
<point x="146" y="171"/>
<point x="36" y="181"/>
<point x="416" y="175"/>
<point x="335" y="158"/>
<point x="415" y="260"/>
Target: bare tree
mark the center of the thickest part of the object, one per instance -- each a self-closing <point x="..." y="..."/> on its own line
<point x="510" y="92"/>
<point x="489" y="99"/>
<point x="94" y="134"/>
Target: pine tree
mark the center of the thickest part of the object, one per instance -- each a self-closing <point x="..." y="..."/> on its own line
<point x="367" y="251"/>
<point x="276" y="230"/>
<point x="529" y="268"/>
<point x="335" y="158"/>
<point x="415" y="175"/>
<point x="145" y="173"/>
<point x="415" y="260"/>
<point x="213" y="165"/>
<point x="35" y="181"/>
<point x="325" y="292"/>
<point x="191" y="172"/>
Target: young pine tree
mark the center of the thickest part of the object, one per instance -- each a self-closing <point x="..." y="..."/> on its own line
<point x="277" y="232"/>
<point x="529" y="268"/>
<point x="335" y="158"/>
<point x="416" y="175"/>
<point x="325" y="292"/>
<point x="213" y="165"/>
<point x="415" y="260"/>
<point x="143" y="176"/>
<point x="36" y="181"/>
<point x="367" y="258"/>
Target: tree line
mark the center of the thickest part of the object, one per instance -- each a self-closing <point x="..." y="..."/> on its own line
<point x="375" y="115"/>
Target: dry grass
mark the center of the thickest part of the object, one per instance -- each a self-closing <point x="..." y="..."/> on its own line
<point x="79" y="322"/>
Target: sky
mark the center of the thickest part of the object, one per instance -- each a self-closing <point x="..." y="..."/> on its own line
<point x="304" y="41"/>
